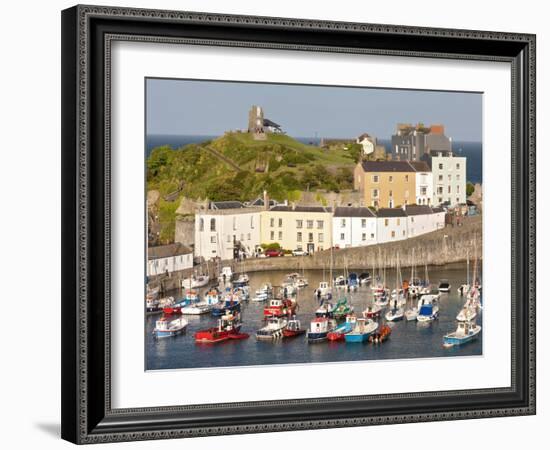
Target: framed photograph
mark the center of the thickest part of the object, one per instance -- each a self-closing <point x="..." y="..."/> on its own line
<point x="283" y="224"/>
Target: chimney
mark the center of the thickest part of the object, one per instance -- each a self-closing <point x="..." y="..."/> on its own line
<point x="266" y="200"/>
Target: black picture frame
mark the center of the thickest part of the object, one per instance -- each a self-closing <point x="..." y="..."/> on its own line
<point x="87" y="32"/>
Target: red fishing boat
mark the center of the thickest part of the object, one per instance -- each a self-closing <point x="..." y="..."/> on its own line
<point x="279" y="307"/>
<point x="229" y="326"/>
<point x="339" y="333"/>
<point x="293" y="328"/>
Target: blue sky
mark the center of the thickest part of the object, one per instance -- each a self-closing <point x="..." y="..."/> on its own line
<point x="190" y="107"/>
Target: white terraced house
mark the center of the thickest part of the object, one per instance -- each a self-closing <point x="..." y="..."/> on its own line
<point x="449" y="179"/>
<point x="353" y="227"/>
<point x="227" y="229"/>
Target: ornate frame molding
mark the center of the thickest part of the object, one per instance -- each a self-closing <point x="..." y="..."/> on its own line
<point x="86" y="65"/>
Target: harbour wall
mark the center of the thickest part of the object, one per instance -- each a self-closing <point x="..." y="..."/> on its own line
<point x="451" y="244"/>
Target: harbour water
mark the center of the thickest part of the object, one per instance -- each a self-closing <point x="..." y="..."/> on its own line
<point x="408" y="339"/>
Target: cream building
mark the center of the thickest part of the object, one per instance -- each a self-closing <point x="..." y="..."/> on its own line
<point x="297" y="227"/>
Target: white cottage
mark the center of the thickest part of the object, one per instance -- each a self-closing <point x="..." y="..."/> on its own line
<point x="423" y="219"/>
<point x="353" y="227"/>
<point x="166" y="259"/>
<point x="227" y="230"/>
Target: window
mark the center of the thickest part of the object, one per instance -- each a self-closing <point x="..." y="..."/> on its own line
<point x="364" y="237"/>
<point x="372" y="235"/>
<point x="386" y="222"/>
<point x="457" y="177"/>
<point x="449" y="177"/>
<point x="228" y="238"/>
<point x="234" y="223"/>
<point x="201" y="224"/>
<point x="440" y="177"/>
<point x="440" y="166"/>
<point x="299" y="224"/>
<point x="423" y="190"/>
<point x="321" y="237"/>
<point x="448" y="189"/>
<point x="213" y="239"/>
<point x="310" y="237"/>
<point x="391" y="193"/>
<point x="458" y="189"/>
<point x="403" y="232"/>
<point x="440" y="189"/>
<point x="320" y="224"/>
<point x="310" y="224"/>
<point x="272" y="235"/>
<point x="280" y="235"/>
<point x="280" y="222"/>
<point x="212" y="224"/>
<point x="342" y="236"/>
<point x="272" y="222"/>
<point x="398" y="221"/>
<point x="412" y="219"/>
<point x="343" y="223"/>
<point x="457" y="200"/>
<point x="252" y="222"/>
<point x="457" y="166"/>
<point x="406" y="178"/>
<point x="375" y="178"/>
<point x="393" y="234"/>
<point x="375" y="193"/>
<point x="363" y="223"/>
<point x="299" y="236"/>
<point x="390" y="179"/>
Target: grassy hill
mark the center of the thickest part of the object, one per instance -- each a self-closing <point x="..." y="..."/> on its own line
<point x="237" y="167"/>
<point x="279" y="164"/>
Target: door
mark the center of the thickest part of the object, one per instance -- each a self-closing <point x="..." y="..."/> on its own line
<point x="310" y="248"/>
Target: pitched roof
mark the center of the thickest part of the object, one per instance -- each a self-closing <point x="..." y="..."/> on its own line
<point x="260" y="202"/>
<point x="349" y="211"/>
<point x="394" y="166"/>
<point x="301" y="208"/>
<point x="391" y="212"/>
<point x="416" y="210"/>
<point x="226" y="205"/>
<point x="420" y="166"/>
<point x="166" y="251"/>
<point x="270" y="123"/>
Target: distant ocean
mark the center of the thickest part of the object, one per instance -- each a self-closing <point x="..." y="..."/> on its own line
<point x="471" y="150"/>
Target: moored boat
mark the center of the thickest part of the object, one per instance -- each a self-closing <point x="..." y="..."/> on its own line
<point x="465" y="332"/>
<point x="226" y="275"/>
<point x="319" y="329"/>
<point x="361" y="331"/>
<point x="364" y="277"/>
<point x="280" y="307"/>
<point x="395" y="313"/>
<point x="338" y="333"/>
<point x="428" y="308"/>
<point x="444" y="286"/>
<point x="273" y="329"/>
<point x="382" y="334"/>
<point x="293" y="328"/>
<point x="196" y="309"/>
<point x="195" y="281"/>
<point x="326" y="309"/>
<point x="372" y="311"/>
<point x="229" y="326"/>
<point x="342" y="309"/>
<point x="166" y="328"/>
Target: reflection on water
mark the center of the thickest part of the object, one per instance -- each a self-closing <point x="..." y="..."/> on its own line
<point x="408" y="339"/>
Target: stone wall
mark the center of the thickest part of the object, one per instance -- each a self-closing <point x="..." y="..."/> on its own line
<point x="446" y="246"/>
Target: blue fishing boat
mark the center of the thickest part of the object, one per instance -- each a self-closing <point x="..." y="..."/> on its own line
<point x="361" y="331"/>
<point x="338" y="333"/>
<point x="428" y="308"/>
<point x="230" y="303"/>
<point x="319" y="329"/>
<point x="465" y="332"/>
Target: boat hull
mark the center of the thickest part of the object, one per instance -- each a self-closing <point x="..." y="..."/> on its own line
<point x="213" y="336"/>
<point x="353" y="337"/>
<point x="317" y="337"/>
<point x="293" y="333"/>
<point x="450" y="341"/>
